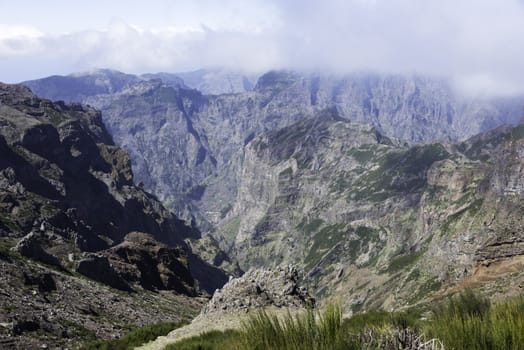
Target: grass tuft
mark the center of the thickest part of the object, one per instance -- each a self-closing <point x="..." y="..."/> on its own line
<point x="466" y="321"/>
<point x="471" y="322"/>
<point x="213" y="340"/>
<point x="134" y="338"/>
<point x="310" y="330"/>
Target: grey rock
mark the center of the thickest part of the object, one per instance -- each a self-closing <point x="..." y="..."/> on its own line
<point x="171" y="130"/>
<point x="278" y="287"/>
<point x="45" y="281"/>
<point x="99" y="269"/>
<point x="30" y="246"/>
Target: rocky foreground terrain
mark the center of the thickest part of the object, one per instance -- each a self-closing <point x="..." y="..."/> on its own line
<point x="84" y="252"/>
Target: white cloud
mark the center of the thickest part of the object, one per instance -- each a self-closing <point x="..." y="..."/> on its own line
<point x="476" y="43"/>
<point x="18" y="40"/>
<point x="18" y="31"/>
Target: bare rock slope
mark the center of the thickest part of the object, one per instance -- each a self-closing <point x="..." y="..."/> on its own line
<point x="70" y="215"/>
<point x="169" y="129"/>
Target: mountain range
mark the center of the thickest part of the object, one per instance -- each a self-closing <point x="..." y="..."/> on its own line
<point x="385" y="190"/>
<point x="201" y="138"/>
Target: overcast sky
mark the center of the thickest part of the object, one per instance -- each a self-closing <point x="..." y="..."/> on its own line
<point x="479" y="44"/>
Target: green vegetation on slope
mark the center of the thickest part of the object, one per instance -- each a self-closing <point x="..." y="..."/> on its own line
<point x="464" y="322"/>
<point x="229" y="339"/>
<point x="134" y="338"/>
<point x="333" y="241"/>
<point x="310" y="330"/>
<point x="471" y="322"/>
<point x="404" y="261"/>
<point x="397" y="172"/>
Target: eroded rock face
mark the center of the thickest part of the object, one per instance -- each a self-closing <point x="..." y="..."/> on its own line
<point x="278" y="287"/>
<point x="155" y="266"/>
<point x="68" y="199"/>
<point x="380" y="223"/>
<point x="30" y="246"/>
<point x="201" y="138"/>
<point x="98" y="268"/>
<point x="65" y="189"/>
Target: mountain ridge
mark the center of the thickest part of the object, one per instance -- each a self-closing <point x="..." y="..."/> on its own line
<point x="213" y="130"/>
<point x="76" y="230"/>
<point x="362" y="216"/>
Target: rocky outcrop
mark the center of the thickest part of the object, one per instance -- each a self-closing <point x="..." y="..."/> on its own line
<point x="155" y="266"/>
<point x="59" y="163"/>
<point x="30" y="246"/>
<point x="68" y="189"/>
<point x="257" y="288"/>
<point x="99" y="269"/>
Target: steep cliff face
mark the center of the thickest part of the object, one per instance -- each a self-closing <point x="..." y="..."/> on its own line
<point x="171" y="130"/>
<point x="69" y="210"/>
<point x="379" y="223"/>
<point x="60" y="164"/>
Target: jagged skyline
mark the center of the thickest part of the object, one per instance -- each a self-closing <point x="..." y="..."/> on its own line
<point x="477" y="44"/>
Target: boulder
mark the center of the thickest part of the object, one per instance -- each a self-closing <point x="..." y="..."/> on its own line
<point x="23" y="326"/>
<point x="44" y="281"/>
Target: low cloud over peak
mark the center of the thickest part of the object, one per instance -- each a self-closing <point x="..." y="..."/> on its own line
<point x="477" y="44"/>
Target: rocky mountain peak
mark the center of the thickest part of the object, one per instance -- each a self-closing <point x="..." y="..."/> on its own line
<point x="276" y="80"/>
